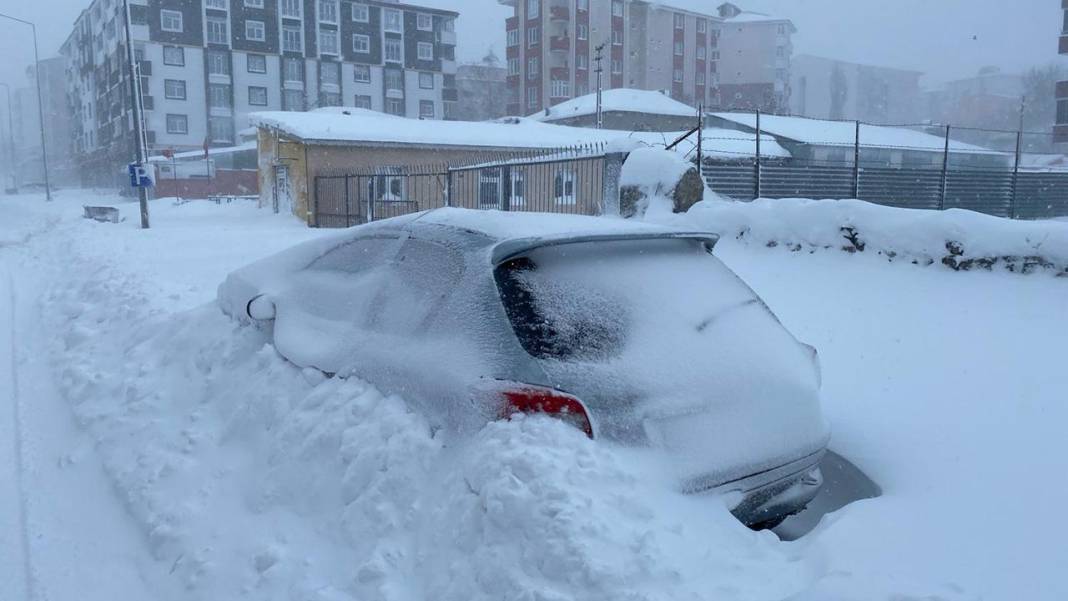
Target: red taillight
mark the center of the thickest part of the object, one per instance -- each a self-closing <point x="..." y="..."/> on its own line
<point x="531" y="399"/>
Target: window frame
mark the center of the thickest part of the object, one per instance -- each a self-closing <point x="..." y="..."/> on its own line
<point x="265" y="95"/>
<point x="181" y="54"/>
<point x="420" y="47"/>
<point x="248" y="62"/>
<point x="419" y="21"/>
<point x="327" y="34"/>
<point x="223" y="30"/>
<point x="364" y="9"/>
<point x="184" y="120"/>
<point x="164" y="14"/>
<point x="366" y="43"/>
<point x="387" y="14"/>
<point x="181" y="83"/>
<point x="357" y="68"/>
<point x="433" y="109"/>
<point x="262" y="30"/>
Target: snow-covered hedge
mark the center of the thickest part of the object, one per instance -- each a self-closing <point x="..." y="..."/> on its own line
<point x="958" y="239"/>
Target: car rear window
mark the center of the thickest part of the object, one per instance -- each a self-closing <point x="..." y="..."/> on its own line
<point x="589" y="301"/>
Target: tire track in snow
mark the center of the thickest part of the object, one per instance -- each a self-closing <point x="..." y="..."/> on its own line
<point x="29" y="580"/>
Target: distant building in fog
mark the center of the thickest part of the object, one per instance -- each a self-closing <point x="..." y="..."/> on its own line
<point x="1060" y="130"/>
<point x="826" y="88"/>
<point x="482" y="89"/>
<point x="26" y="130"/>
<point x="990" y="100"/>
<point x="731" y="59"/>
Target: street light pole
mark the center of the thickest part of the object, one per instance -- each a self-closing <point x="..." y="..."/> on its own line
<point x="40" y="103"/>
<point x="600" y="116"/>
<point x="135" y="97"/>
<point x="10" y="134"/>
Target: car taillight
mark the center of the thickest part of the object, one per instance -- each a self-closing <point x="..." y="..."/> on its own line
<point x="536" y="399"/>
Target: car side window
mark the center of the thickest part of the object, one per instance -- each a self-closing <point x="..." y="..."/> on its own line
<point x="423" y="274"/>
<point x="357" y="256"/>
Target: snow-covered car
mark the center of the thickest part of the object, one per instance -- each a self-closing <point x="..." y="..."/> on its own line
<point x="634" y="333"/>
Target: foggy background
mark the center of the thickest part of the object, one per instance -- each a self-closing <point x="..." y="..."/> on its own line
<point x="945" y="39"/>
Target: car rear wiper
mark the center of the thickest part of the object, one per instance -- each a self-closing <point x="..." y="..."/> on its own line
<point x="701" y="327"/>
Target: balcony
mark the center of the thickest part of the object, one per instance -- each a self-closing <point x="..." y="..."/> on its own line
<point x="560" y="42"/>
<point x="450" y="94"/>
<point x="1062" y="48"/>
<point x="448" y="38"/>
<point x="559" y="12"/>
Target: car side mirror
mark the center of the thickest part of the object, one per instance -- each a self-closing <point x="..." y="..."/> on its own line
<point x="261" y="308"/>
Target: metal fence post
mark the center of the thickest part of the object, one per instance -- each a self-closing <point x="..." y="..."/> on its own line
<point x="611" y="169"/>
<point x="348" y="211"/>
<point x="945" y="171"/>
<point x="448" y="186"/>
<point x="856" y="162"/>
<point x="1015" y="176"/>
<point x="756" y="168"/>
<point x="506" y="188"/>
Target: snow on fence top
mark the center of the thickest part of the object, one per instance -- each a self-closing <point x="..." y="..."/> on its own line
<point x="821" y="132"/>
<point x="362" y="126"/>
<point x="619" y="100"/>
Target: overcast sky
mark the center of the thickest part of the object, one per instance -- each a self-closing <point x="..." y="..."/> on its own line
<point x="945" y="39"/>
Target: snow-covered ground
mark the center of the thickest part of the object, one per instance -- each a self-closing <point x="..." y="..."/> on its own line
<point x="160" y="451"/>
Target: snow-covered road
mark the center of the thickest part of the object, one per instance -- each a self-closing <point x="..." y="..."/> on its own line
<point x="151" y="450"/>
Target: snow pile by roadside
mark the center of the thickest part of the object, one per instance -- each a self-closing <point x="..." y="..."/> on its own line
<point x="959" y="239"/>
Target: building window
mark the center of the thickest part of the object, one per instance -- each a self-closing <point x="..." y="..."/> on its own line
<point x="217" y="31"/>
<point x="582" y="5"/>
<point x="678" y="48"/>
<point x="361" y="73"/>
<point x="426" y="109"/>
<point x="513" y="66"/>
<point x="255" y="31"/>
<point x="360" y="13"/>
<point x="425" y="51"/>
<point x="216" y="4"/>
<point x="532" y="67"/>
<point x="219" y="95"/>
<point x="617" y="8"/>
<point x="257" y="96"/>
<point x="291" y="39"/>
<point x="174" y="55"/>
<point x="700" y="78"/>
<point x="177" y="124"/>
<point x="256" y="63"/>
<point x="532" y="97"/>
<point x="218" y="63"/>
<point x="330" y="99"/>
<point x="221" y="129"/>
<point x="513" y="37"/>
<point x="780" y="51"/>
<point x="617" y="67"/>
<point x="582" y="31"/>
<point x="424" y="22"/>
<point x="714" y="55"/>
<point x="291" y="8"/>
<point x="426" y="81"/>
<point x="533" y="36"/>
<point x="702" y="26"/>
<point x="1062" y="111"/>
<point x="174" y="89"/>
<point x="293" y="70"/>
<point x="330" y="76"/>
<point x="292" y="100"/>
<point x="171" y="20"/>
<point x="617" y="37"/>
<point x="564" y="186"/>
<point x="701" y="53"/>
<point x="394" y="80"/>
<point x="448" y="25"/>
<point x="680" y="21"/>
<point x="328" y="41"/>
<point x="328" y="11"/>
<point x="395" y="107"/>
<point x="780" y="74"/>
<point x="677" y="75"/>
<point x="782" y="30"/>
<point x="392" y="20"/>
<point x="361" y="43"/>
<point x="363" y="101"/>
<point x="393" y="50"/>
<point x="560" y="88"/>
<point x="533" y="7"/>
<point x="582" y="61"/>
<point x="254" y="3"/>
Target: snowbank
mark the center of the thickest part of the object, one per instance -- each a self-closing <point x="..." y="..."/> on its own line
<point x="959" y="239"/>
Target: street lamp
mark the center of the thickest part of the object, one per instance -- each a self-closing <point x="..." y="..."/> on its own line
<point x="40" y="103"/>
<point x="10" y="134"/>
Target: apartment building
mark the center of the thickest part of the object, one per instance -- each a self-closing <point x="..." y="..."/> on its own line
<point x="827" y="88"/>
<point x="1060" y="130"/>
<point x="206" y="64"/>
<point x="552" y="51"/>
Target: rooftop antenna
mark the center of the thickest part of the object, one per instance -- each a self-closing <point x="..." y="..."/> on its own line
<point x="599" y="70"/>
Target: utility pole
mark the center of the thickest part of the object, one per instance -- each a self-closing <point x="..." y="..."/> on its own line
<point x="599" y="70"/>
<point x="700" y="134"/>
<point x="40" y="103"/>
<point x="135" y="97"/>
<point x="10" y="136"/>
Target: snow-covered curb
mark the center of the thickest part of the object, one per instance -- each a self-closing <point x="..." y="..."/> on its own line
<point x="958" y="239"/>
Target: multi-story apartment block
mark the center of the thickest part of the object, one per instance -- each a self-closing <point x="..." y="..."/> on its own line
<point x="206" y="64"/>
<point x="552" y="51"/>
<point x="1060" y="130"/>
<point x="826" y="88"/>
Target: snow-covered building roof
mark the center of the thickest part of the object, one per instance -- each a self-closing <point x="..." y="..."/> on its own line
<point x="731" y="13"/>
<point x="353" y="126"/>
<point x="624" y="100"/>
<point x="820" y="132"/>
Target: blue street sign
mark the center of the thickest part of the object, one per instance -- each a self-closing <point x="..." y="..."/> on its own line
<point x="140" y="177"/>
